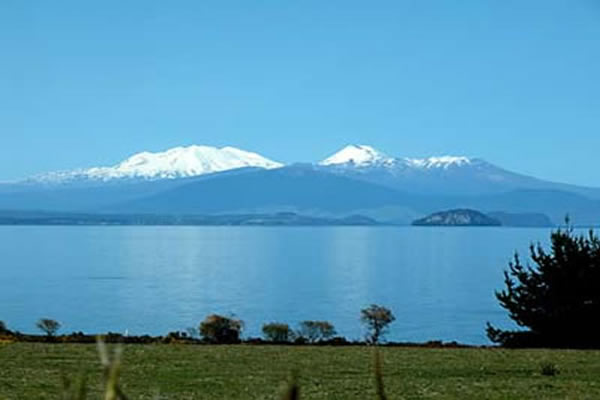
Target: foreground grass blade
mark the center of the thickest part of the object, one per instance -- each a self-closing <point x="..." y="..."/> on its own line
<point x="112" y="370"/>
<point x="292" y="391"/>
<point x="74" y="391"/>
<point x="379" y="387"/>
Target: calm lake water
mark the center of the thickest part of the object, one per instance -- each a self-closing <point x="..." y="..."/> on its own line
<point x="438" y="281"/>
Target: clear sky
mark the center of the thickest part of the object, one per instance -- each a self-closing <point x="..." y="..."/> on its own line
<point x="86" y="83"/>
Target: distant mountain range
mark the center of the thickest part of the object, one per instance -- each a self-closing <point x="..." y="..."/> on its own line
<point x="357" y="180"/>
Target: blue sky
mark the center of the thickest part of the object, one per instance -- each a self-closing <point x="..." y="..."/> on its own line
<point x="89" y="83"/>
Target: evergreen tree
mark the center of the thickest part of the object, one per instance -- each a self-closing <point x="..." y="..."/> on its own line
<point x="557" y="299"/>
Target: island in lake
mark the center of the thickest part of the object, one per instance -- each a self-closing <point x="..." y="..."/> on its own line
<point x="458" y="217"/>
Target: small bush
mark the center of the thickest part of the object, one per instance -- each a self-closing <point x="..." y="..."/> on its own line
<point x="192" y="332"/>
<point x="314" y="331"/>
<point x="3" y="328"/>
<point x="175" y="337"/>
<point x="277" y="332"/>
<point x="338" y="341"/>
<point x="48" y="326"/>
<point x="219" y="329"/>
<point x="549" y="369"/>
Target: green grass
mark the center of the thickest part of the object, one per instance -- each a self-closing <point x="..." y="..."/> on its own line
<point x="35" y="370"/>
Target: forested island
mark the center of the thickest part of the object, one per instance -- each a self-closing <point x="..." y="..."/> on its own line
<point x="459" y="217"/>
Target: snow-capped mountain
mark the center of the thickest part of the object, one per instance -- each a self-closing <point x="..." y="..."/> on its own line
<point x="179" y="162"/>
<point x="440" y="175"/>
<point x="363" y="156"/>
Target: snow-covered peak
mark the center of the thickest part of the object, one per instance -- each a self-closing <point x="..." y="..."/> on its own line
<point x="357" y="155"/>
<point x="443" y="162"/>
<point x="190" y="161"/>
<point x="178" y="162"/>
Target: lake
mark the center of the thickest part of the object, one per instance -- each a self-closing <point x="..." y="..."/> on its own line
<point x="439" y="282"/>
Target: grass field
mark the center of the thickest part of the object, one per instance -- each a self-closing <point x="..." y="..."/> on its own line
<point x="34" y="371"/>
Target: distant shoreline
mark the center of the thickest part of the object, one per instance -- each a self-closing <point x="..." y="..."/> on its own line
<point x="275" y="219"/>
<point x="182" y="338"/>
<point x="378" y="225"/>
<point x="39" y="218"/>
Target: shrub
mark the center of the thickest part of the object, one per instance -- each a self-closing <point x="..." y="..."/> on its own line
<point x="48" y="326"/>
<point x="558" y="299"/>
<point x="277" y="332"/>
<point x="175" y="337"/>
<point x="219" y="329"/>
<point x="549" y="369"/>
<point x="314" y="331"/>
<point x="3" y="328"/>
<point x="376" y="319"/>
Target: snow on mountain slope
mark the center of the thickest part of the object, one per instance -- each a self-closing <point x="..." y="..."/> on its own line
<point x="444" y="162"/>
<point x="178" y="162"/>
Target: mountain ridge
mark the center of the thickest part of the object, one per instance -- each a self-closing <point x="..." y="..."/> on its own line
<point x="197" y="160"/>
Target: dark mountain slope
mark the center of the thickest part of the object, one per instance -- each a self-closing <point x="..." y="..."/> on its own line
<point x="298" y="187"/>
<point x="91" y="196"/>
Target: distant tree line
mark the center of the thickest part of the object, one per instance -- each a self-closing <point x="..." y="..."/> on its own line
<point x="220" y="329"/>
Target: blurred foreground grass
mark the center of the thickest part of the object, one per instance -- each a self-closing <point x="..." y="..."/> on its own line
<point x="36" y="370"/>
